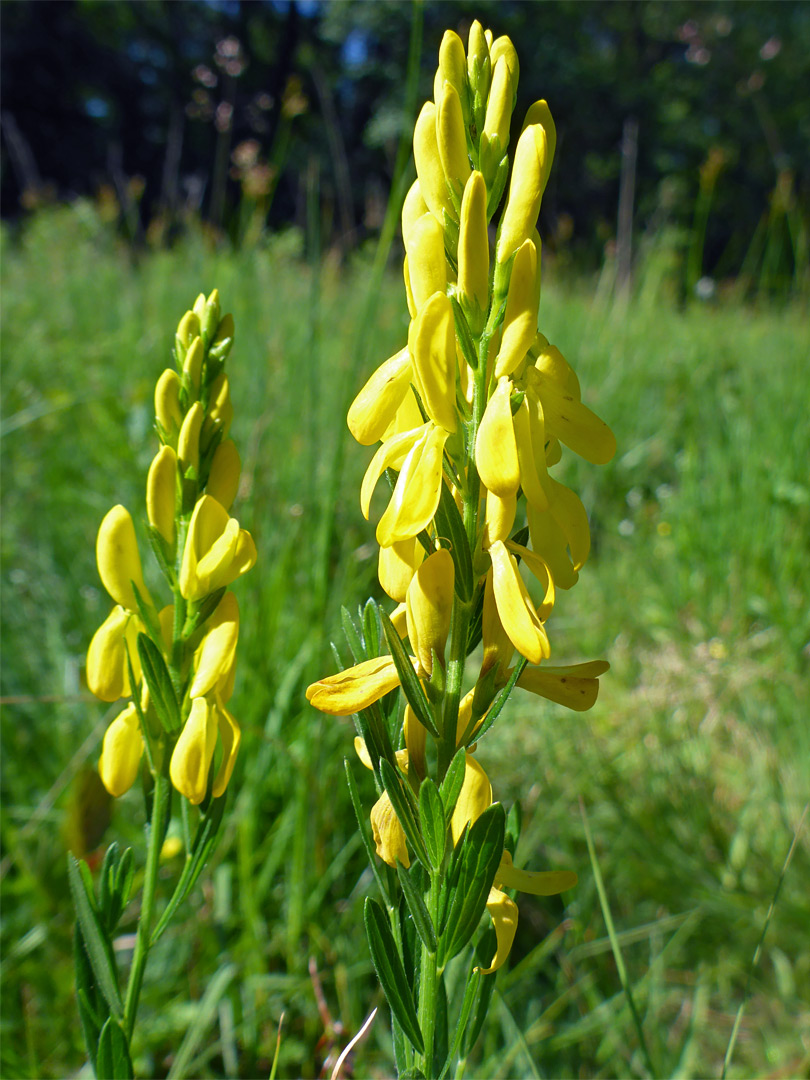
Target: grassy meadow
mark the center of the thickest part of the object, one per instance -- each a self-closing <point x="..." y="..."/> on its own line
<point x="691" y="773"/>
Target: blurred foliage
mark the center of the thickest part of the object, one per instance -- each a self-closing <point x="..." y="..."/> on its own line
<point x="226" y="108"/>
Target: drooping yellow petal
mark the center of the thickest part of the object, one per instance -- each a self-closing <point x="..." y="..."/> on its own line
<point x="427" y="266"/>
<point x="230" y="736"/>
<point x="504" y="914"/>
<point x="119" y="563"/>
<point x="375" y="406"/>
<point x="547" y="883"/>
<point x="417" y="491"/>
<point x="451" y="138"/>
<point x="121" y="752"/>
<point x="551" y="363"/>
<point x="526" y="188"/>
<point x="429" y="607"/>
<point x="428" y="163"/>
<point x="397" y="565"/>
<point x="515" y="607"/>
<point x="161" y="492"/>
<point x="432" y="344"/>
<point x="520" y="318"/>
<point x="216" y="653"/>
<point x="549" y="541"/>
<point x="389" y="836"/>
<point x="193" y="751"/>
<point x="572" y="422"/>
<point x="528" y="425"/>
<point x="495" y="449"/>
<point x="107" y="671"/>
<point x="572" y="517"/>
<point x="538" y="567"/>
<point x="498" y="649"/>
<point x="390" y="455"/>
<point x="475" y="797"/>
<point x="576" y="686"/>
<point x="355" y="688"/>
<point x="226" y="469"/>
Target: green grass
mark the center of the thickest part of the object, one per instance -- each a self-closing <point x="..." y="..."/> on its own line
<point x="694" y="766"/>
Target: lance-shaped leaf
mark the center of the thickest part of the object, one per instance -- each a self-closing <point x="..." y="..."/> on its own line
<point x="96" y="943"/>
<point x="479" y="861"/>
<point x="484" y="951"/>
<point x="113" y="1061"/>
<point x="353" y="639"/>
<point x="411" y="686"/>
<point x="453" y="782"/>
<point x="371" y="628"/>
<point x="470" y="995"/>
<point x="391" y="973"/>
<point x="417" y="908"/>
<point x="159" y="682"/>
<point x="432" y="821"/>
<point x="403" y="809"/>
<point x="501" y="699"/>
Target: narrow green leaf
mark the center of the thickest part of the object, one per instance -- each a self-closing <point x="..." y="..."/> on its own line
<point x="450" y="525"/>
<point x="204" y="1014"/>
<point x="475" y="631"/>
<point x="98" y="948"/>
<point x="113" y="1061"/>
<point x="352" y="636"/>
<point x="411" y="686"/>
<point x="502" y="698"/>
<point x="418" y="909"/>
<point x="402" y="808"/>
<point x="147" y="613"/>
<point x="93" y="1010"/>
<point x="432" y="822"/>
<point x="514" y="824"/>
<point x="480" y="858"/>
<point x="123" y="880"/>
<point x="473" y="982"/>
<point x="371" y="628"/>
<point x="391" y="973"/>
<point x="362" y="824"/>
<point x="106" y="887"/>
<point x="484" y="951"/>
<point x="453" y="782"/>
<point x="160" y="686"/>
<point x="197" y="615"/>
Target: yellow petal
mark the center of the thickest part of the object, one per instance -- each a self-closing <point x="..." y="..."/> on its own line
<point x="498" y="649"/>
<point x="107" y="671"/>
<point x="551" y="363"/>
<point x="499" y="105"/>
<point x="192" y="754"/>
<point x="223" y="478"/>
<point x="399" y="620"/>
<point x="520" y="318"/>
<point x="428" y="163"/>
<point x="464" y="717"/>
<point x="230" y="736"/>
<point x="475" y="797"/>
<point x="119" y="563"/>
<point x="217" y="551"/>
<point x="192" y="365"/>
<point x="575" y="686"/>
<point x="572" y="422"/>
<point x="549" y="542"/>
<point x="539" y="113"/>
<point x="167" y="403"/>
<point x="188" y="443"/>
<point x="390" y="455"/>
<point x="216" y="654"/>
<point x="389" y="836"/>
<point x="452" y="63"/>
<point x="427" y="266"/>
<point x="495" y="449"/>
<point x="413" y="208"/>
<point x="473" y="250"/>
<point x="417" y="491"/>
<point x="375" y="406"/>
<point x="429" y="607"/>
<point x="432" y="343"/>
<point x="161" y="492"/>
<point x="528" y="425"/>
<point x="361" y="750"/>
<point x="515" y="607"/>
<point x="528" y="181"/>
<point x="538" y="567"/>
<point x="220" y="409"/>
<point x="499" y="518"/>
<point x="121" y="752"/>
<point x="415" y="740"/>
<point x="452" y="139"/>
<point x="504" y="913"/>
<point x="397" y="565"/>
<point x="503" y="47"/>
<point x="355" y="688"/>
<point x="547" y="883"/>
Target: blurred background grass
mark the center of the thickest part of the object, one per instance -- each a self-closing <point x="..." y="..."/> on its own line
<point x="693" y="768"/>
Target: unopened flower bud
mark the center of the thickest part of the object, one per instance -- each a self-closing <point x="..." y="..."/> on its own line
<point x="216" y="653"/>
<point x="119" y="562"/>
<point x="429" y="164"/>
<point x="452" y="139"/>
<point x="121" y="752"/>
<point x="520" y="318"/>
<point x="226" y="468"/>
<point x="478" y="61"/>
<point x="452" y="66"/>
<point x="429" y="606"/>
<point x="220" y="409"/>
<point x="427" y="266"/>
<point x="473" y="252"/>
<point x="167" y="403"/>
<point x="188" y="444"/>
<point x="529" y="175"/>
<point x="499" y="106"/>
<point x="432" y="344"/>
<point x="192" y="365"/>
<point x="107" y="668"/>
<point x="188" y="328"/>
<point x="191" y="758"/>
<point x="161" y="493"/>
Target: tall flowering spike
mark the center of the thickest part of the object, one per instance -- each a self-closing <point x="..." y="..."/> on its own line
<point x="471" y="418"/>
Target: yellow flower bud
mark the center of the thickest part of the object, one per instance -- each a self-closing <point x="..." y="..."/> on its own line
<point x="397" y="565"/>
<point x="167" y="403"/>
<point x="188" y="444"/>
<point x="478" y="61"/>
<point x="375" y="406"/>
<point x="119" y="563"/>
<point x="192" y="754"/>
<point x="220" y="409"/>
<point x="529" y="175"/>
<point x="199" y="306"/>
<point x="495" y="449"/>
<point x="452" y="65"/>
<point x="187" y="329"/>
<point x="217" y="551"/>
<point x="474" y="799"/>
<point x="499" y="517"/>
<point x="452" y="139"/>
<point x="389" y="836"/>
<point x="415" y="740"/>
<point x="473" y="252"/>
<point x="429" y="607"/>
<point x="499" y="106"/>
<point x="427" y="266"/>
<point x="539" y="113"/>
<point x="230" y="735"/>
<point x="432" y="343"/>
<point x="429" y="165"/>
<point x="520" y="318"/>
<point x="216" y="654"/>
<point x="107" y="671"/>
<point x="223" y="478"/>
<point x="502" y="47"/>
<point x="417" y="491"/>
<point x="121" y="752"/>
<point x="192" y="365"/>
<point x="161" y="493"/>
<point x="412" y="209"/>
<point x="210" y="317"/>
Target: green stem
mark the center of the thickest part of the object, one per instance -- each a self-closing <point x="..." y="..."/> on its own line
<point x="429" y="984"/>
<point x="159" y="797"/>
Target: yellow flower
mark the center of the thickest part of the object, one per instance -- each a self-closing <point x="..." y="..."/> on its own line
<point x="215" y="658"/>
<point x="575" y="686"/>
<point x="119" y="563"/>
<point x="432" y="344"/>
<point x="427" y="266"/>
<point x="107" y="672"/>
<point x="161" y="493"/>
<point x="389" y="836"/>
<point x="188" y="443"/>
<point x="452" y="140"/>
<point x="355" y="688"/>
<point x="429" y="169"/>
<point x="529" y="176"/>
<point x="495" y="448"/>
<point x="520" y="318"/>
<point x="223" y="477"/>
<point x="121" y="752"/>
<point x="429" y="607"/>
<point x="193" y="751"/>
<point x="217" y="551"/>
<point x="192" y="365"/>
<point x="376" y="405"/>
<point x="417" y="491"/>
<point x="473" y="253"/>
<point x="397" y="565"/>
<point x="167" y="403"/>
<point x="519" y="617"/>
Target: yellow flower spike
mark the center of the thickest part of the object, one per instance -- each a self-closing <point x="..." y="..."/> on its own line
<point x="572" y="422"/>
<point x="429" y="607"/>
<point x="223" y="477"/>
<point x="520" y="318"/>
<point x="216" y="654"/>
<point x="107" y="671"/>
<point x="418" y="489"/>
<point x="515" y="607"/>
<point x="374" y="408"/>
<point x="230" y="735"/>
<point x="529" y="175"/>
<point x="355" y="688"/>
<point x="121" y="752"/>
<point x="389" y="836"/>
<point x="193" y="751"/>
<point x="192" y="365"/>
<point x="474" y="798"/>
<point x="452" y="67"/>
<point x="498" y="649"/>
<point x="576" y="686"/>
<point x="499" y="517"/>
<point x="427" y="266"/>
<point x="217" y="551"/>
<point x="220" y="409"/>
<point x="473" y="252"/>
<point x="539" y="113"/>
<point x="188" y="328"/>
<point x="188" y="444"/>
<point x="496" y="453"/>
<point x="433" y="347"/>
<point x="391" y="455"/>
<point x="452" y="139"/>
<point x="428" y="164"/>
<point x="119" y="563"/>
<point x="502" y="47"/>
<point x="161" y="493"/>
<point x="504" y="914"/>
<point x="167" y="403"/>
<point x="540" y="570"/>
<point x="415" y="741"/>
<point x="550" y="543"/>
<point x="397" y="565"/>
<point x="499" y="106"/>
<point x="536" y="883"/>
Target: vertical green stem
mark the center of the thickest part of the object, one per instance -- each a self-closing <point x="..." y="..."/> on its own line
<point x="159" y="798"/>
<point x="429" y="983"/>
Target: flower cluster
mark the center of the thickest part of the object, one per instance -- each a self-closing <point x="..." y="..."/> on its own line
<point x="470" y="416"/>
<point x="177" y="663"/>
